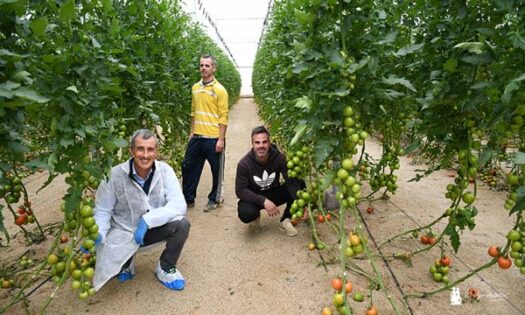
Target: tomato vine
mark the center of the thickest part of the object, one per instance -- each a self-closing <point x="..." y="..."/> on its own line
<point x="439" y="79"/>
<point x="76" y="79"/>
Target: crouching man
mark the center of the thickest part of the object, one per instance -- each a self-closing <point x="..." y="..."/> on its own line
<point x="140" y="204"/>
<point x="257" y="183"/>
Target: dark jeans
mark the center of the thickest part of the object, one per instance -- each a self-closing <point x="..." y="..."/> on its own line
<point x="198" y="151"/>
<point x="249" y="211"/>
<point x="175" y="234"/>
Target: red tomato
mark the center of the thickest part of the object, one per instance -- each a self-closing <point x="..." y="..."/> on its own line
<point x="504" y="262"/>
<point x="445" y="261"/>
<point x="21" y="219"/>
<point x="348" y="287"/>
<point x="371" y="311"/>
<point x="337" y="284"/>
<point x="493" y="251"/>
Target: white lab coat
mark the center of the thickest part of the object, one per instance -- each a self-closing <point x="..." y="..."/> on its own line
<point x="120" y="203"/>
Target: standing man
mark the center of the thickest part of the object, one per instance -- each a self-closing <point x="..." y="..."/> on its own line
<point x="257" y="183"/>
<point x="209" y="119"/>
<point x="140" y="204"/>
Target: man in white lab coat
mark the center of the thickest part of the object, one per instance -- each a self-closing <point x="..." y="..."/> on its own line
<point x="140" y="204"/>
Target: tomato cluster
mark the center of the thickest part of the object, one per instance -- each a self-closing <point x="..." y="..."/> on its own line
<point x="427" y="239"/>
<point x="349" y="191"/>
<point x="300" y="205"/>
<point x="297" y="165"/>
<point x="80" y="265"/>
<point x="354" y="245"/>
<point x="7" y="283"/>
<point x="439" y="270"/>
<point x="12" y="189"/>
<point x="517" y="247"/>
<point x="514" y="180"/>
<point x="24" y="214"/>
<point x="340" y="299"/>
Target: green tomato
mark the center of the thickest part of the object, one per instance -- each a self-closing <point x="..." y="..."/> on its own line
<point x="513" y="235"/>
<point x="358" y="297"/>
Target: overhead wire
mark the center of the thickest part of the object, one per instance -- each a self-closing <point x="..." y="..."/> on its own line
<point x="214" y="26"/>
<point x="265" y="23"/>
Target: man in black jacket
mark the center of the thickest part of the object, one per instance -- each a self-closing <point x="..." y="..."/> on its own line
<point x="257" y="183"/>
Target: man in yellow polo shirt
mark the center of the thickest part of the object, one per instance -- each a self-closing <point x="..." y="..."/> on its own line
<point x="209" y="119"/>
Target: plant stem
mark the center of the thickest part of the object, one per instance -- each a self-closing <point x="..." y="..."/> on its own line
<point x="452" y="284"/>
<point x="410" y="231"/>
<point x="379" y="278"/>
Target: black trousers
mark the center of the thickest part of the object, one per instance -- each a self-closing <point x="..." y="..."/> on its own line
<point x="175" y="234"/>
<point x="249" y="211"/>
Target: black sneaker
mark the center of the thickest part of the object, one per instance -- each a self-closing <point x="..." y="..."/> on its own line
<point x="190" y="204"/>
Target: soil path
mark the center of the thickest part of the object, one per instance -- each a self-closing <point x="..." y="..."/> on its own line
<point x="229" y="270"/>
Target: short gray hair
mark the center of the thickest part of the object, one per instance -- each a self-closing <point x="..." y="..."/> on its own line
<point x="208" y="56"/>
<point x="144" y="134"/>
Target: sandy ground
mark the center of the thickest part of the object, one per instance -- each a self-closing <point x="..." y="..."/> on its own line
<point x="229" y="270"/>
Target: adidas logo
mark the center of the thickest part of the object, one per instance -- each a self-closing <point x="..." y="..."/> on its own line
<point x="266" y="180"/>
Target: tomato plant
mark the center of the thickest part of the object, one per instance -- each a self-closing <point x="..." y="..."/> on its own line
<point x="433" y="79"/>
<point x="76" y="79"/>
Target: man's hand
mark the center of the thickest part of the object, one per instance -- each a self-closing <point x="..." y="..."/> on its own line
<point x="141" y="230"/>
<point x="219" y="146"/>
<point x="271" y="208"/>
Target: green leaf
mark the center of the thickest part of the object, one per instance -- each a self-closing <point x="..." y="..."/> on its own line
<point x="107" y="5"/>
<point x="389" y="38"/>
<point x="513" y="85"/>
<point x="519" y="206"/>
<point x="454" y="240"/>
<point x="451" y="65"/>
<point x="300" y="67"/>
<point x="9" y="1"/>
<point x="408" y="49"/>
<point x="23" y="76"/>
<point x="38" y="26"/>
<point x="303" y="102"/>
<point x="323" y="149"/>
<point x="4" y="92"/>
<point x="477" y="59"/>
<point x="471" y="47"/>
<point x="72" y="88"/>
<point x="413" y="146"/>
<point x="66" y="142"/>
<point x="67" y="11"/>
<point x="17" y="147"/>
<point x="304" y="18"/>
<point x="393" y="79"/>
<point x="519" y="158"/>
<point x="31" y="95"/>
<point x="358" y="66"/>
<point x="517" y="40"/>
<point x="383" y="109"/>
<point x="52" y="161"/>
<point x="486" y="156"/>
<point x="113" y="144"/>
<point x="327" y="179"/>
<point x="334" y="56"/>
<point x="299" y="132"/>
<point x="8" y="53"/>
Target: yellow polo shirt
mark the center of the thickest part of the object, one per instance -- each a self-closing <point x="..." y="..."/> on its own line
<point x="209" y="108"/>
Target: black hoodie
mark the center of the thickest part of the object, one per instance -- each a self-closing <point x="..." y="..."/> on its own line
<point x="253" y="177"/>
